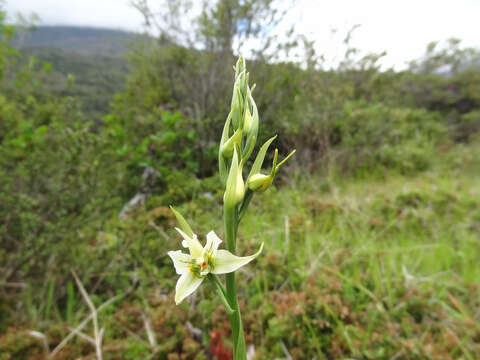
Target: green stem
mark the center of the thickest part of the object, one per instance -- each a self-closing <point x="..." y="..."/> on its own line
<point x="222" y="293"/>
<point x="246" y="201"/>
<point x="239" y="347"/>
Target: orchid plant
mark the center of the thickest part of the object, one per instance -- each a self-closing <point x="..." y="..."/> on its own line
<point x="207" y="262"/>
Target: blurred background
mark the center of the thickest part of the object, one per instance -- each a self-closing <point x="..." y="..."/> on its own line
<point x="110" y="111"/>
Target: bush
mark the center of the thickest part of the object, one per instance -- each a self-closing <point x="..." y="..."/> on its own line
<point x="468" y="126"/>
<point x="374" y="135"/>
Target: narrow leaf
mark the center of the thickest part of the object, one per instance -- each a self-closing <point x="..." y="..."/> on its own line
<point x="257" y="165"/>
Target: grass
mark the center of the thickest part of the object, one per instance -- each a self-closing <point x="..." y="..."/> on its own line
<point x="383" y="268"/>
<point x="404" y="251"/>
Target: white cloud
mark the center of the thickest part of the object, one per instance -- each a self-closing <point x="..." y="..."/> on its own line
<point x="100" y="13"/>
<point x="402" y="28"/>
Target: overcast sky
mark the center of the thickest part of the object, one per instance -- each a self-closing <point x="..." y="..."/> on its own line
<point x="402" y="28"/>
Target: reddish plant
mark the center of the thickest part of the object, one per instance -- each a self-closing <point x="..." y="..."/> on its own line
<point x="216" y="346"/>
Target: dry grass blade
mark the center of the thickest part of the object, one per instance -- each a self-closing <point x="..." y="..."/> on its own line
<point x="149" y="331"/>
<point x="83" y="336"/>
<point x="78" y="329"/>
<point x="96" y="333"/>
<point x="43" y="338"/>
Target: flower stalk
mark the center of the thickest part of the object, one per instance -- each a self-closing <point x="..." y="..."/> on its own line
<point x="237" y="143"/>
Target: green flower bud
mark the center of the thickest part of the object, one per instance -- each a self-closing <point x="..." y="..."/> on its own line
<point x="239" y="187"/>
<point x="229" y="145"/>
<point x="257" y="165"/>
<point x="235" y="188"/>
<point x="250" y="124"/>
<point x="259" y="182"/>
<point x="247" y="121"/>
<point x="239" y="66"/>
<point x="236" y="107"/>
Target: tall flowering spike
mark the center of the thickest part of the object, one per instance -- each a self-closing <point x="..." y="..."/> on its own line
<point x="235" y="188"/>
<point x="234" y="120"/>
<point x="194" y="267"/>
<point x="239" y="136"/>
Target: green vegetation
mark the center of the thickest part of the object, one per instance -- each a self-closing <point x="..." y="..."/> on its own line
<point x="353" y="268"/>
<point x="371" y="251"/>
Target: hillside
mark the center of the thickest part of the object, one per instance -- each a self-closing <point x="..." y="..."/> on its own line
<point x="95" y="57"/>
<point x="86" y="40"/>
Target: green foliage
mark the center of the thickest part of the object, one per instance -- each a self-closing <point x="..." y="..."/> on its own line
<point x="397" y="138"/>
<point x="469" y="125"/>
<point x="52" y="183"/>
<point x="366" y="269"/>
<point x="182" y="187"/>
<point x="161" y="140"/>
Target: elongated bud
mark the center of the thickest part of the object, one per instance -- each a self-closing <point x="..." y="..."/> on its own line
<point x="247" y="121"/>
<point x="235" y="188"/>
<point x="237" y="106"/>
<point x="250" y="126"/>
<point x="222" y="160"/>
<point x="239" y="66"/>
<point x="241" y="77"/>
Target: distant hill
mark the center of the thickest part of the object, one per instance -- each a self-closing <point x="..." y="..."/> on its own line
<point x="98" y="41"/>
<point x="94" y="56"/>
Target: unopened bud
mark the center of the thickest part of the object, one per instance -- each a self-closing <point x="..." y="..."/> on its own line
<point x="235" y="188"/>
<point x="247" y="121"/>
<point x="259" y="182"/>
<point x="239" y="66"/>
<point x="229" y="145"/>
<point x="239" y="187"/>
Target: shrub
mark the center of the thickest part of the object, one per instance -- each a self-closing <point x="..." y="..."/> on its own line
<point x="373" y="135"/>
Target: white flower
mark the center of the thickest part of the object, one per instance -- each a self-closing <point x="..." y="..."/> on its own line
<point x="201" y="261"/>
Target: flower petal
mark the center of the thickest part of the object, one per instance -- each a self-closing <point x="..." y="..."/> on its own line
<point x="226" y="262"/>
<point x="181" y="261"/>
<point x="192" y="243"/>
<point x="186" y="284"/>
<point x="212" y="243"/>
<point x="182" y="222"/>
